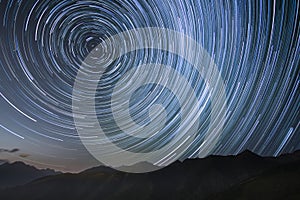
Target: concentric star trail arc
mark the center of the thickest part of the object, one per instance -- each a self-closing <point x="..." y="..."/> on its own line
<point x="254" y="44"/>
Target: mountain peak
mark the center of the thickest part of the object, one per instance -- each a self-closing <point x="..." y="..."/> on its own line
<point x="3" y="162"/>
<point x="297" y="153"/>
<point x="247" y="153"/>
<point x="19" y="173"/>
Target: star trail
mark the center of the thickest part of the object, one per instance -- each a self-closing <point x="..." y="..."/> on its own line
<point x="253" y="45"/>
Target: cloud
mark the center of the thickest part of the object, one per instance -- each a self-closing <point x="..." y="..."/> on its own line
<point x="9" y="150"/>
<point x="23" y="155"/>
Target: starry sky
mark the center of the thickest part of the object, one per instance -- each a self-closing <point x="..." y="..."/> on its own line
<point x="254" y="44"/>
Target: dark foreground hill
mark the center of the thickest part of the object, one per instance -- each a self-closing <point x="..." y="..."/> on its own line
<point x="18" y="173"/>
<point x="245" y="176"/>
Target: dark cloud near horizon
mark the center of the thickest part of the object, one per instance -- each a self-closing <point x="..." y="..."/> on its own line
<point x="24" y="155"/>
<point x="9" y="151"/>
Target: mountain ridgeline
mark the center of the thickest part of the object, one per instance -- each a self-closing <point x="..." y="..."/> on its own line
<point x="19" y="173"/>
<point x="244" y="176"/>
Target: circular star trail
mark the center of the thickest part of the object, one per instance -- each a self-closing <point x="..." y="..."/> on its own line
<point x="255" y="46"/>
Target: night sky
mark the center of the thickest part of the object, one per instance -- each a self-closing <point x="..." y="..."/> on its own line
<point x="255" y="47"/>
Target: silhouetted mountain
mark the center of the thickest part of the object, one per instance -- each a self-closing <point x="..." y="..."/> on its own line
<point x="280" y="182"/>
<point x="2" y="162"/>
<point x="248" y="154"/>
<point x="213" y="177"/>
<point x="19" y="173"/>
